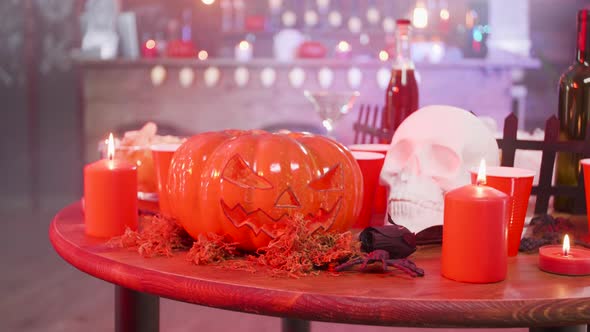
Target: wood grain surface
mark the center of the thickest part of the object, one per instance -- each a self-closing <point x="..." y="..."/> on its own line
<point x="527" y="298"/>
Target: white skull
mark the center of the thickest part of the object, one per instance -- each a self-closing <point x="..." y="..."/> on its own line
<point x="431" y="153"/>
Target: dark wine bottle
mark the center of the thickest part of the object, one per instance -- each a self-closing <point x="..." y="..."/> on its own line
<point x="574" y="110"/>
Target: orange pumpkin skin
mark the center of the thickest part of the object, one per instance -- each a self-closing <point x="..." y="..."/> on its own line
<point x="246" y="183"/>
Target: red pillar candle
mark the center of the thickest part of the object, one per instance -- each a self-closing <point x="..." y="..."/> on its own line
<point x="110" y="196"/>
<point x="564" y="260"/>
<point x="475" y="234"/>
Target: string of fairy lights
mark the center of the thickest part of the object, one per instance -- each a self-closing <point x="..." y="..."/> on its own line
<point x="241" y="76"/>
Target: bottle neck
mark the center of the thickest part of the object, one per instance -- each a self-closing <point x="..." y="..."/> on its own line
<point x="403" y="51"/>
<point x="583" y="40"/>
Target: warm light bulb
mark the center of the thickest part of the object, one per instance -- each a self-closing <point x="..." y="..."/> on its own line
<point x="203" y="55"/>
<point x="420" y="17"/>
<point x="481" y="174"/>
<point x="111" y="147"/>
<point x="566" y="245"/>
<point x="383" y="55"/>
<point x="343" y="46"/>
<point x="208" y="2"/>
<point x="444" y="14"/>
<point x="244" y="45"/>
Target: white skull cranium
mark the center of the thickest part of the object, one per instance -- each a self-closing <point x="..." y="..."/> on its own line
<point x="431" y="153"/>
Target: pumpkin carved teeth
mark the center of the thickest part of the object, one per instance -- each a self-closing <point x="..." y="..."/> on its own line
<point x="260" y="221"/>
<point x="324" y="218"/>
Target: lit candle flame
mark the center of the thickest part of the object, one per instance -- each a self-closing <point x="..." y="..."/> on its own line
<point x="111" y="147"/>
<point x="566" y="245"/>
<point x="481" y="174"/>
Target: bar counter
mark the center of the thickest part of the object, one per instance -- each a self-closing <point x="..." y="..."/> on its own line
<point x="119" y="94"/>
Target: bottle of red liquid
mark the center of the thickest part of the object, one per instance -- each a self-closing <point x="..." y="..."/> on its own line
<point x="574" y="111"/>
<point x="401" y="96"/>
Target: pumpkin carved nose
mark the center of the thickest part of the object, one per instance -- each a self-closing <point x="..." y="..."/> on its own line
<point x="287" y="199"/>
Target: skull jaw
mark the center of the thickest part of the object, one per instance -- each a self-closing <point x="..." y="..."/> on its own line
<point x="415" y="202"/>
<point x="414" y="216"/>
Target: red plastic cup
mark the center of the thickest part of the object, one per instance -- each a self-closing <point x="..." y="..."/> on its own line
<point x="162" y="154"/>
<point x="586" y="169"/>
<point x="370" y="164"/>
<point x="380" y="202"/>
<point x="517" y="183"/>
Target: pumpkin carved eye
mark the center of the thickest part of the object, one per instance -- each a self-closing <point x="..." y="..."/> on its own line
<point x="239" y="173"/>
<point x="330" y="181"/>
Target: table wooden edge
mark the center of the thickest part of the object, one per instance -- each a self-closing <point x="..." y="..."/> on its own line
<point x="307" y="306"/>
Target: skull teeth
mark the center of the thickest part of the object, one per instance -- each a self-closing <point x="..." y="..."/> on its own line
<point x="415" y="216"/>
<point x="408" y="205"/>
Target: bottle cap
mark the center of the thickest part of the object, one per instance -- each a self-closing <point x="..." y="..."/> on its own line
<point x="403" y="21"/>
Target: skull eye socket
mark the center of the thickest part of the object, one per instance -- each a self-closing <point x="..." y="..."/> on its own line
<point x="442" y="160"/>
<point x="399" y="154"/>
<point x="239" y="173"/>
<point x="329" y="181"/>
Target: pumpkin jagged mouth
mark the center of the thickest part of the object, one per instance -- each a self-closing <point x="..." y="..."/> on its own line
<point x="260" y="221"/>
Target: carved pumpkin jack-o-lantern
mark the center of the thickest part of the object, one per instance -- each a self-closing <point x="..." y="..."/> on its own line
<point x="247" y="184"/>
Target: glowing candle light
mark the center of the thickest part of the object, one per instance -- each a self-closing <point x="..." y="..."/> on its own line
<point x="149" y="49"/>
<point x="110" y="195"/>
<point x="481" y="174"/>
<point x="475" y="219"/>
<point x="243" y="51"/>
<point x="564" y="259"/>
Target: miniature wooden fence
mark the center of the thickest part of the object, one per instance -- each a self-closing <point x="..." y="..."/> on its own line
<point x="367" y="131"/>
<point x="367" y="128"/>
<point x="550" y="146"/>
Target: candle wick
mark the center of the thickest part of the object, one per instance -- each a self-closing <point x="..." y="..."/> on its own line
<point x="566" y="252"/>
<point x="480" y="182"/>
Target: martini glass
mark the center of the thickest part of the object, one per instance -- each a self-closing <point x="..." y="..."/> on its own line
<point x="331" y="106"/>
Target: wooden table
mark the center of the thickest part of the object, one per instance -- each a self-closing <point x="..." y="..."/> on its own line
<point x="527" y="298"/>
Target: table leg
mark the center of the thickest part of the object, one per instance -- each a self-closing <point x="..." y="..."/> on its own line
<point x="136" y="311"/>
<point x="576" y="328"/>
<point x="294" y="325"/>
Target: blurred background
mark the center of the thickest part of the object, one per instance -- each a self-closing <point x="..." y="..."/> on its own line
<point x="71" y="71"/>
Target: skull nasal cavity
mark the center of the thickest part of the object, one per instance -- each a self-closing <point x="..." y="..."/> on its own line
<point x="287" y="200"/>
